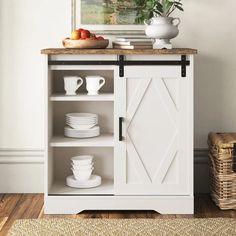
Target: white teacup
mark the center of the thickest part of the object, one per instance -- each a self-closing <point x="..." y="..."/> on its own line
<point x="71" y="84"/>
<point x="93" y="84"/>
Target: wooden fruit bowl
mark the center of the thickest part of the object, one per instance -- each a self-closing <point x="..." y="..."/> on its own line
<point x="85" y="44"/>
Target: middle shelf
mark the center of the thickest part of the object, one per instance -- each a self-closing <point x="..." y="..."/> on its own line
<point x="104" y="140"/>
<point x="60" y="97"/>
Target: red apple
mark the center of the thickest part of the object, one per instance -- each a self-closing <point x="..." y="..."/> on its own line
<point x="80" y="29"/>
<point x="85" y="34"/>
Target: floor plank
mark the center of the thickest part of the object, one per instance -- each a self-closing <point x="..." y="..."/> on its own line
<point x="92" y="214"/>
<point x="116" y="215"/>
<point x="156" y="215"/>
<point x="27" y="207"/>
<point x="3" y="220"/>
<point x="1" y="196"/>
<point x="8" y="203"/>
<point x="126" y="214"/>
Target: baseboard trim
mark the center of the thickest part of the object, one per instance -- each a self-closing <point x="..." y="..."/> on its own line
<point x="21" y="156"/>
<point x="201" y="171"/>
<point x="201" y="156"/>
<point x="21" y="170"/>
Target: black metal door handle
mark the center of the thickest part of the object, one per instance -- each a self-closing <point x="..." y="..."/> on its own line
<point x="120" y="128"/>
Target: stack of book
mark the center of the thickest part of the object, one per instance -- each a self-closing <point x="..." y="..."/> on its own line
<point x="132" y="43"/>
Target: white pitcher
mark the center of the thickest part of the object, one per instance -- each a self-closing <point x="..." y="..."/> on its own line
<point x="71" y="84"/>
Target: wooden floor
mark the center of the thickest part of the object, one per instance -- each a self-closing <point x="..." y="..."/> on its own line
<point x="30" y="206"/>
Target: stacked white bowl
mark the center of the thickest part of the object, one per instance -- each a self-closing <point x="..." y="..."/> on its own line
<point x="81" y="125"/>
<point x="82" y="167"/>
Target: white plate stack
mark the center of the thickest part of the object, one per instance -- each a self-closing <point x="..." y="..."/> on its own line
<point x="81" y="125"/>
<point x="82" y="168"/>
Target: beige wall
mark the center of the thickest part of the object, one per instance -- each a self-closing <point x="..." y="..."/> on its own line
<point x="210" y="26"/>
<point x="26" y="26"/>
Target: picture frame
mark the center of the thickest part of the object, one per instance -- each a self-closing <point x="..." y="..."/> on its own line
<point x="78" y="20"/>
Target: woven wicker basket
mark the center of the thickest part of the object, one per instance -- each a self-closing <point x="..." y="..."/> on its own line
<point x="222" y="159"/>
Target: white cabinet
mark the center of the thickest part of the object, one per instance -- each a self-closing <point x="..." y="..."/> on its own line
<point x="155" y="104"/>
<point x="145" y="151"/>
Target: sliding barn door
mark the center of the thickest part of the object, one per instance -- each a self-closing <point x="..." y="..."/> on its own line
<point x="154" y="156"/>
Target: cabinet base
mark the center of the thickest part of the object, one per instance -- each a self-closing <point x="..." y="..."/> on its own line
<point x="77" y="204"/>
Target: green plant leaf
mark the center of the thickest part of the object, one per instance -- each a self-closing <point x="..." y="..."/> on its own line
<point x="180" y="8"/>
<point x="146" y="9"/>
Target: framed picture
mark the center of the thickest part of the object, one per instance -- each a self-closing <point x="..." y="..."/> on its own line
<point x="106" y="16"/>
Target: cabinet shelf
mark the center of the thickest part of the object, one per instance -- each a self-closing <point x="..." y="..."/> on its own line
<point x="59" y="188"/>
<point x="104" y="140"/>
<point x="82" y="97"/>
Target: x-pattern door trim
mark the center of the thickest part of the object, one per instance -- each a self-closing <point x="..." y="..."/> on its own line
<point x="172" y="149"/>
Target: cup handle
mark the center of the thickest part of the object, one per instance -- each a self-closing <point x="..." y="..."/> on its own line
<point x="178" y="21"/>
<point x="79" y="82"/>
<point x="103" y="82"/>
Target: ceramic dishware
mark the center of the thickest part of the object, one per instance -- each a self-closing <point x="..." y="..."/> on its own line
<point x="71" y="84"/>
<point x="82" y="175"/>
<point x="82" y="133"/>
<point x="93" y="84"/>
<point x="82" y="123"/>
<point x="81" y="127"/>
<point x="82" y="167"/>
<point x="82" y="160"/>
<point x="92" y="182"/>
<point x="81" y="117"/>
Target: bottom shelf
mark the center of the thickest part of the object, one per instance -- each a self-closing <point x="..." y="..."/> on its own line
<point x="60" y="188"/>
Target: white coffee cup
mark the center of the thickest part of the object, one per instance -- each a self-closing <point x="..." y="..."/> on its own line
<point x="93" y="84"/>
<point x="71" y="84"/>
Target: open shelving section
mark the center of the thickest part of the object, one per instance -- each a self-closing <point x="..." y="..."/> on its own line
<point x="61" y="148"/>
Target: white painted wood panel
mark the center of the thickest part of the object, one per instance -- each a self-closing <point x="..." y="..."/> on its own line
<point x="82" y="97"/>
<point x="59" y="188"/>
<point x="104" y="140"/>
<point x="155" y="157"/>
<point x="76" y="204"/>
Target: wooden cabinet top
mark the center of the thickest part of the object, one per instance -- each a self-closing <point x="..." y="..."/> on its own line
<point x="110" y="51"/>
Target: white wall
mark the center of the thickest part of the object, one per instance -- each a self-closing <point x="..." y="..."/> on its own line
<point x="210" y="26"/>
<point x="26" y="26"/>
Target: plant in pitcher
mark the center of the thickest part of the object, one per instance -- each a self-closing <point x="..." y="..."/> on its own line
<point x="159" y="25"/>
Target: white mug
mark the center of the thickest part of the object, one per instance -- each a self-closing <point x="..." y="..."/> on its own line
<point x="93" y="84"/>
<point x="71" y="84"/>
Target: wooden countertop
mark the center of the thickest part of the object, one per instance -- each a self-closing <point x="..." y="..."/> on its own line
<point x="109" y="51"/>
